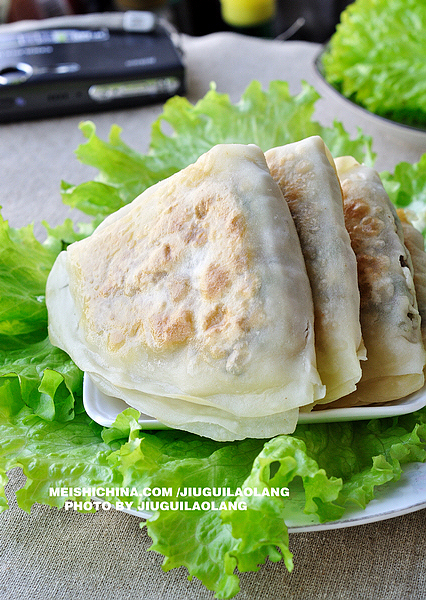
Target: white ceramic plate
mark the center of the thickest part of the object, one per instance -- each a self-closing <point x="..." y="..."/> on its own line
<point x="104" y="409"/>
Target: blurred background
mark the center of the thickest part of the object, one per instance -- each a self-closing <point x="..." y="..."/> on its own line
<point x="309" y="20"/>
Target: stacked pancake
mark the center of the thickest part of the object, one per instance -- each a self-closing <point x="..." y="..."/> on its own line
<point x="243" y="289"/>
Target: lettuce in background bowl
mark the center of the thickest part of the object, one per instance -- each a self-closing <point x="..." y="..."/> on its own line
<point x="376" y="59"/>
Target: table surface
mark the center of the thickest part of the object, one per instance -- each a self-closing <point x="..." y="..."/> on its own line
<point x="55" y="554"/>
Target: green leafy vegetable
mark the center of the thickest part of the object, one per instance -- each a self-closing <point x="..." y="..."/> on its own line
<point x="407" y="189"/>
<point x="24" y="267"/>
<point x="376" y="58"/>
<point x="45" y="431"/>
<point x="266" y="118"/>
<point x="214" y="545"/>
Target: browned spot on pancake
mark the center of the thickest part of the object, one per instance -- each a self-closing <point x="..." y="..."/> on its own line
<point x="178" y="288"/>
<point x="214" y="317"/>
<point x="360" y="221"/>
<point x="214" y="281"/>
<point x="244" y="324"/>
<point x="373" y="285"/>
<point x="355" y="207"/>
<point x="292" y="191"/>
<point x="160" y="259"/>
<point x="202" y="208"/>
<point x="168" y="330"/>
<point x="240" y="261"/>
<point x="237" y="225"/>
<point x="195" y="235"/>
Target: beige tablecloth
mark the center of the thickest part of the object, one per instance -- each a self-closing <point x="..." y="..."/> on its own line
<point x="60" y="555"/>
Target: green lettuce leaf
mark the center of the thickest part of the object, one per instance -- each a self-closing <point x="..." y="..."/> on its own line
<point x="31" y="370"/>
<point x="324" y="468"/>
<point x="406" y="187"/>
<point x="336" y="463"/>
<point x="185" y="131"/>
<point x="44" y="378"/>
<point x="51" y="453"/>
<point x="61" y="236"/>
<point x="123" y="174"/>
<point x="375" y="58"/>
<point x="24" y="266"/>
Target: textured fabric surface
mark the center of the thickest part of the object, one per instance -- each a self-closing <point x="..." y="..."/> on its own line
<point x="60" y="555"/>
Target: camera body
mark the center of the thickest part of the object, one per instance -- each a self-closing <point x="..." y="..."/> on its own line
<point x="85" y="65"/>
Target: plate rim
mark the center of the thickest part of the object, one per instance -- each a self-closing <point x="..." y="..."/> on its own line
<point x="356" y="413"/>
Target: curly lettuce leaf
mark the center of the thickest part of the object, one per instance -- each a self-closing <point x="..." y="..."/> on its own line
<point x="406" y="187"/>
<point x="44" y="378"/>
<point x="185" y="131"/>
<point x="214" y="545"/>
<point x="196" y="539"/>
<point x="375" y="58"/>
<point x="54" y="455"/>
<point x="31" y="370"/>
<point x="59" y="447"/>
<point x="365" y="454"/>
<point x="24" y="266"/>
<point x="123" y="174"/>
<point x="267" y="118"/>
<point x="61" y="236"/>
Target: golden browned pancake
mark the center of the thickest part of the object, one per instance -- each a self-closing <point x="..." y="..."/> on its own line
<point x="193" y="303"/>
<point x="389" y="316"/>
<point x="305" y="172"/>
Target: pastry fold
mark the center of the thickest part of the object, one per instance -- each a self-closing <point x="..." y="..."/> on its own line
<point x="306" y="174"/>
<point x="390" y="320"/>
<point x="193" y="303"/>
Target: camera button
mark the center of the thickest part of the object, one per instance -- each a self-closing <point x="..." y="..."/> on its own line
<point x="15" y="74"/>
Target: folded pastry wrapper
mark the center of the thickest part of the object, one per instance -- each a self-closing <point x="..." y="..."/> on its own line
<point x="415" y="244"/>
<point x="306" y="174"/>
<point x="390" y="320"/>
<point x="193" y="303"/>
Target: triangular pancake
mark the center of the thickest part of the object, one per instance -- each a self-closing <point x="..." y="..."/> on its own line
<point x="307" y="177"/>
<point x="390" y="320"/>
<point x="196" y="292"/>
